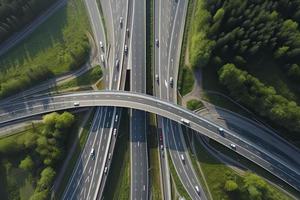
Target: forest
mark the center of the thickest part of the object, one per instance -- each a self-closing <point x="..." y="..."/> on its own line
<point x="15" y="14"/>
<point x="249" y="34"/>
<point x="40" y="152"/>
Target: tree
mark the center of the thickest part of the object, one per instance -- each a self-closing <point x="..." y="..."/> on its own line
<point x="47" y="177"/>
<point x="64" y="120"/>
<point x="219" y="15"/>
<point x="201" y="49"/>
<point x="230" y="186"/>
<point x="280" y="52"/>
<point x="27" y="164"/>
<point x="50" y="119"/>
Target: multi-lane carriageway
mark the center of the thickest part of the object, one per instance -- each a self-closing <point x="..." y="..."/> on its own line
<point x="280" y="166"/>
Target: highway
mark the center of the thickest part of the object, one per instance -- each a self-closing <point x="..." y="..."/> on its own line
<point x="169" y="26"/>
<point x="88" y="178"/>
<point x="96" y="172"/>
<point x="138" y="137"/>
<point x="286" y="171"/>
<point x="82" y="184"/>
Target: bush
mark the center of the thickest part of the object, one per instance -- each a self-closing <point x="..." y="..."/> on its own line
<point x="42" y="191"/>
<point x="194" y="104"/>
<point x="230" y="186"/>
<point x="27" y="164"/>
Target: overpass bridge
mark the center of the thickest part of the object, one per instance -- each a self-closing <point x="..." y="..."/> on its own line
<point x="285" y="167"/>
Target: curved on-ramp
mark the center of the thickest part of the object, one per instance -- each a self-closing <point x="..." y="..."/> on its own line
<point x="44" y="104"/>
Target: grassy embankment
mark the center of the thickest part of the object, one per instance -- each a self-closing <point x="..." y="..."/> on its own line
<point x="57" y="46"/>
<point x="185" y="76"/>
<point x="176" y="180"/>
<point x="217" y="173"/>
<point x="118" y="181"/>
<point x="82" y="82"/>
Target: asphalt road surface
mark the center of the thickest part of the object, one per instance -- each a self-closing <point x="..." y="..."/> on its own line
<point x="287" y="171"/>
<point x="138" y="136"/>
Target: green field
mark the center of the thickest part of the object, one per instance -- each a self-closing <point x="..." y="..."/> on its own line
<point x="216" y="174"/>
<point x="86" y="79"/>
<point x="57" y="46"/>
<point x="185" y="75"/>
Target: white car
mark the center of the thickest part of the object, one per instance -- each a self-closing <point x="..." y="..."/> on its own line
<point x="197" y="189"/>
<point x="117" y="63"/>
<point x="125" y="49"/>
<point x="92" y="154"/>
<point x="233" y="146"/>
<point x="182" y="157"/>
<point x="171" y="81"/>
<point x="115" y="132"/>
<point x="185" y="121"/>
<point x="102" y="58"/>
<point x="116" y="118"/>
<point x="157" y="78"/>
<point x="76" y="104"/>
<point x="101" y="45"/>
<point x="105" y="170"/>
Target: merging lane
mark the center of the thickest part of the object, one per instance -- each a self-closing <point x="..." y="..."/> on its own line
<point x="284" y="169"/>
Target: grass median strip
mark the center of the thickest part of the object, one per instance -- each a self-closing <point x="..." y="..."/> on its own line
<point x="118" y="181"/>
<point x="179" y="186"/>
<point x="188" y="134"/>
<point x="154" y="159"/>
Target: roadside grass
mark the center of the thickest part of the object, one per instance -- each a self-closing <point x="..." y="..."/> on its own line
<point x="79" y="147"/>
<point x="186" y="80"/>
<point x="60" y="44"/>
<point x="118" y="181"/>
<point x="194" y="104"/>
<point x="176" y="180"/>
<point x="86" y="79"/>
<point x="185" y="74"/>
<point x="154" y="159"/>
<point x="255" y="168"/>
<point x="149" y="46"/>
<point x="216" y="174"/>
